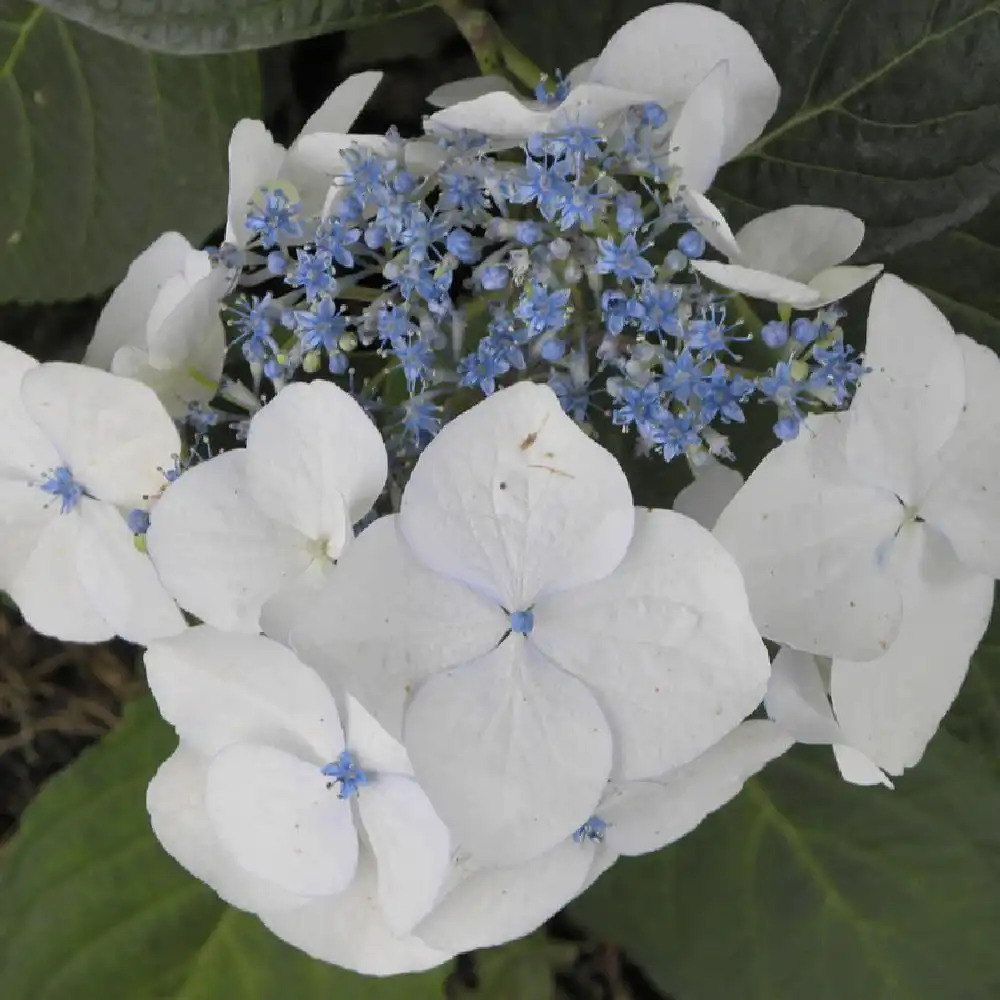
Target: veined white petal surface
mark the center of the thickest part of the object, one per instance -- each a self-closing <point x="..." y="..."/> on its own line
<point x="490" y="906"/>
<point x="280" y="818"/>
<point x="219" y="688"/>
<point x="666" y="50"/>
<point x="382" y="623"/>
<point x="121" y="581"/>
<point x="963" y="501"/>
<point x="800" y="241"/>
<point x="644" y="816"/>
<point x="889" y="708"/>
<point x="113" y="433"/>
<point x="124" y="318"/>
<point x="341" y="109"/>
<point x="175" y="801"/>
<point x="910" y="403"/>
<point x="665" y="643"/>
<point x="217" y="554"/>
<point x="412" y="848"/>
<point x="512" y="751"/>
<point x="813" y="546"/>
<point x="349" y="930"/>
<point x="315" y="461"/>
<point x="515" y="500"/>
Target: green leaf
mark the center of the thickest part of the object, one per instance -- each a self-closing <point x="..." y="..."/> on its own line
<point x="105" y="147"/>
<point x="806" y="888"/>
<point x="91" y="908"/>
<point x="522" y="969"/>
<point x="960" y="271"/>
<point x="890" y="108"/>
<point x="225" y="25"/>
<point x="975" y="716"/>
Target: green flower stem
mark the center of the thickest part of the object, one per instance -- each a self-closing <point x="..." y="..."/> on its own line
<point x="495" y="54"/>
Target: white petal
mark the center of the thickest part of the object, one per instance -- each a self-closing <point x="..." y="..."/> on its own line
<point x="374" y="746"/>
<point x="123" y="320"/>
<point x="382" y="623"/>
<point x="218" y="688"/>
<point x="48" y="591"/>
<point x="190" y="345"/>
<point x="255" y="160"/>
<point x="120" y="580"/>
<point x="348" y="930"/>
<point x="837" y="283"/>
<point x="175" y="800"/>
<point x="594" y="105"/>
<point x="665" y="643"/>
<point x="513" y="752"/>
<point x="515" y="500"/>
<point x="411" y="845"/>
<point x="799" y="241"/>
<point x="710" y="222"/>
<point x="856" y="768"/>
<point x="498" y="114"/>
<point x="25" y="452"/>
<point x="964" y="500"/>
<point x="811" y="546"/>
<point x="25" y="512"/>
<point x="889" y="708"/>
<point x="644" y="816"/>
<point x="278" y="817"/>
<point x="458" y="91"/>
<point x="699" y="134"/>
<point x="215" y="552"/>
<point x="758" y="284"/>
<point x="315" y="461"/>
<point x="113" y="433"/>
<point x="797" y="700"/>
<point x="708" y="496"/>
<point x="908" y="406"/>
<point x="340" y="110"/>
<point x="281" y="611"/>
<point x="668" y="49"/>
<point x="491" y="906"/>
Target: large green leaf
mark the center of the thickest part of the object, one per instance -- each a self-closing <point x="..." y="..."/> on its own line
<point x="890" y="108"/>
<point x="806" y="888"/>
<point x="105" y="147"/>
<point x="91" y="908"/>
<point x="225" y="25"/>
<point x="960" y="271"/>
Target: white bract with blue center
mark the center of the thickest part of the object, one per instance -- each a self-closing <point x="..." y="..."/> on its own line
<point x="701" y="67"/>
<point x="900" y="502"/>
<point x="529" y="634"/>
<point x="162" y="324"/>
<point x="488" y="906"/>
<point x="794" y="255"/>
<point x="79" y="450"/>
<point x="265" y="523"/>
<point x="325" y="835"/>
<point x="301" y="174"/>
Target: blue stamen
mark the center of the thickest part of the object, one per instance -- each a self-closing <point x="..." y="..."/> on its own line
<point x="522" y="621"/>
<point x="60" y="483"/>
<point x="593" y="830"/>
<point x="346" y="772"/>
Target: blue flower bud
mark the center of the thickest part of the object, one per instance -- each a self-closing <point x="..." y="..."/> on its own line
<point x="774" y="334"/>
<point x="692" y="244"/>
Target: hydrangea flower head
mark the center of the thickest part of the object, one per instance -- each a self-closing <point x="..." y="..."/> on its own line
<point x="80" y="449"/>
<point x="260" y="524"/>
<point x="317" y="827"/>
<point x="900" y="498"/>
<point x="528" y="633"/>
